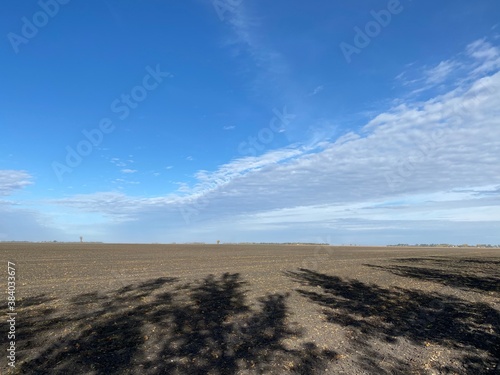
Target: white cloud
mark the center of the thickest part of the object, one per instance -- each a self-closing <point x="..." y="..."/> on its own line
<point x="12" y="180"/>
<point x="487" y="56"/>
<point x="115" y="205"/>
<point x="478" y="59"/>
<point x="482" y="50"/>
<point x="444" y="152"/>
<point x="123" y="181"/>
<point x="249" y="38"/>
<point x="317" y="90"/>
<point x="229" y="127"/>
<point x="440" y="72"/>
<point x="128" y="170"/>
<point x="118" y="162"/>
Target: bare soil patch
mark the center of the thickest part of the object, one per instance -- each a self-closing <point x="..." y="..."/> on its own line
<point x="248" y="309"/>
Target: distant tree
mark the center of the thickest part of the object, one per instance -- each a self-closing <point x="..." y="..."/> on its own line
<point x="81" y="239"/>
<point x="218" y="242"/>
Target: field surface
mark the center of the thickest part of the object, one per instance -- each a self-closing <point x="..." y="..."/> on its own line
<point x="252" y="309"/>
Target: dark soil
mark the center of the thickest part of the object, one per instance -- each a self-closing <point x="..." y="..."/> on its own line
<point x="248" y="309"/>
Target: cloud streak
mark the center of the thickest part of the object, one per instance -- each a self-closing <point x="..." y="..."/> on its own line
<point x="12" y="180"/>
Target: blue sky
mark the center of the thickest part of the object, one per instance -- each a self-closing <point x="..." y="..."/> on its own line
<point x="373" y="122"/>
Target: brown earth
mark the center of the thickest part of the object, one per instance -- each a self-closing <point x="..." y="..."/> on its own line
<point x="253" y="309"/>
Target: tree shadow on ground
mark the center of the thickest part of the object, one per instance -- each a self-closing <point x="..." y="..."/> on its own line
<point x="480" y="275"/>
<point x="163" y="327"/>
<point x="423" y="318"/>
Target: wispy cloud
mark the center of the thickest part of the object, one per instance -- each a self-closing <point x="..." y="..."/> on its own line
<point x="479" y="58"/>
<point x="317" y="90"/>
<point x="248" y="38"/>
<point x="123" y="181"/>
<point x="440" y="72"/>
<point x="486" y="56"/>
<point x="128" y="171"/>
<point x="118" y="162"/>
<point x="12" y="180"/>
<point x="229" y="127"/>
